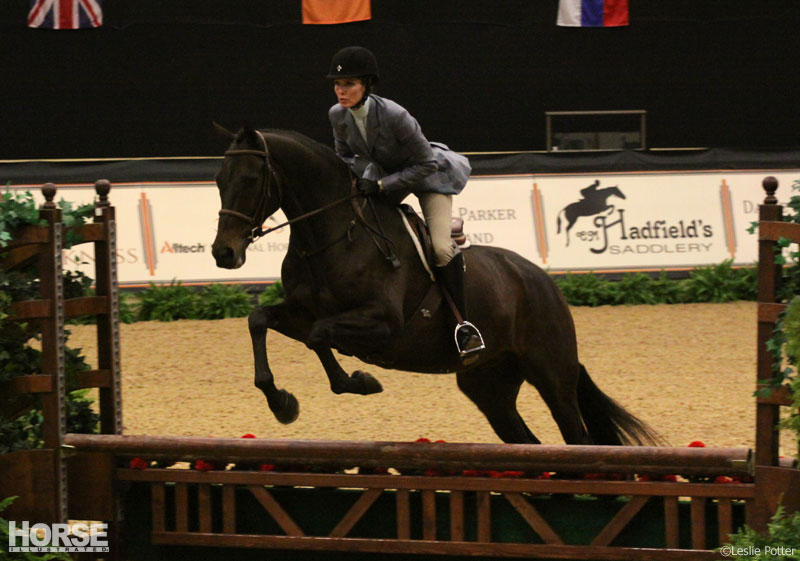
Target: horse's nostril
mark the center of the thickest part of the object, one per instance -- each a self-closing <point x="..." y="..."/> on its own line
<point x="222" y="254"/>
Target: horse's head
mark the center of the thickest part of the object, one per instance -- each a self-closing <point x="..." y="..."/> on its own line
<point x="249" y="193"/>
<point x="616" y="191"/>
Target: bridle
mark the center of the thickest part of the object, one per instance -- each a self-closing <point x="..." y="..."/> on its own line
<point x="269" y="174"/>
<point x="264" y="193"/>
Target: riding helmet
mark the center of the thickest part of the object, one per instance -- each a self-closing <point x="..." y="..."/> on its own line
<point x="354" y="62"/>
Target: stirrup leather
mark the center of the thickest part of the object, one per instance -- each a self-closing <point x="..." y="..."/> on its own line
<point x="473" y="331"/>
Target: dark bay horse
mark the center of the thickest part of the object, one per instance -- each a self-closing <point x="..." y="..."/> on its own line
<point x="342" y="293"/>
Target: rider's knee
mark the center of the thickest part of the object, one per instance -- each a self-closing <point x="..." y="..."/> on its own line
<point x="443" y="253"/>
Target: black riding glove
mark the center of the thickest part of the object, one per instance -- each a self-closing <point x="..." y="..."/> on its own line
<point x="367" y="186"/>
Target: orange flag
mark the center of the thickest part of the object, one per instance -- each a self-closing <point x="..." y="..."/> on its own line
<point x="336" y="11"/>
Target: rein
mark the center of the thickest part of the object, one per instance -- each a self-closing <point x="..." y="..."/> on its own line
<point x="306" y="215"/>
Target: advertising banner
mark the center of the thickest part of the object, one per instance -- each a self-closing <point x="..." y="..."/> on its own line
<point x="578" y="222"/>
<point x="651" y="221"/>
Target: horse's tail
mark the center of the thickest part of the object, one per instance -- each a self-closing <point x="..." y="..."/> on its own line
<point x="607" y="421"/>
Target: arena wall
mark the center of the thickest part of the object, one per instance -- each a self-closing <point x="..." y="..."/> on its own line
<point x="479" y="76"/>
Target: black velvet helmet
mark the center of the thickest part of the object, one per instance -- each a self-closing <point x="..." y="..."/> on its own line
<point x="354" y="62"/>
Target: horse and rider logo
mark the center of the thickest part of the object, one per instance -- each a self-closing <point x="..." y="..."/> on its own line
<point x="594" y="201"/>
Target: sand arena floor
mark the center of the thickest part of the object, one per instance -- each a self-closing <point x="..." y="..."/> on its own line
<point x="688" y="370"/>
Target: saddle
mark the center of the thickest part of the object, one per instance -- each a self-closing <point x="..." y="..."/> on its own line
<point x="418" y="231"/>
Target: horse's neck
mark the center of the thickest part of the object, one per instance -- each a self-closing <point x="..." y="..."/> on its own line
<point x="608" y="192"/>
<point x="307" y="187"/>
<point x="308" y="184"/>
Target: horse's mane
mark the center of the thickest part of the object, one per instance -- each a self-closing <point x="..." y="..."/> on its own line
<point x="300" y="150"/>
<point x="299" y="138"/>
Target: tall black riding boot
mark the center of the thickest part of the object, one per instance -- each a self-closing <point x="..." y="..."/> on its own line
<point x="468" y="339"/>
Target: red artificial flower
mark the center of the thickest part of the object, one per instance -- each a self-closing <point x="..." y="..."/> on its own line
<point x="248" y="435"/>
<point x="202" y="465"/>
<point x="423" y="439"/>
<point x="544" y="475"/>
<point x="472" y="473"/>
<point x="723" y="479"/>
<point x="138" y="463"/>
<point x="266" y="467"/>
<point x="696" y="444"/>
<point x="655" y="477"/>
<point x="513" y="474"/>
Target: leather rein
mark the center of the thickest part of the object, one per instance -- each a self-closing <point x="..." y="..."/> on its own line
<point x="258" y="218"/>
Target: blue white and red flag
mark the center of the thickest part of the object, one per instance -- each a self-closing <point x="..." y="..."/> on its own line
<point x="592" y="13"/>
<point x="65" y="14"/>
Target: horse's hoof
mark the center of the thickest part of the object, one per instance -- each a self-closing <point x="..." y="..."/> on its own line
<point x="288" y="408"/>
<point x="367" y="383"/>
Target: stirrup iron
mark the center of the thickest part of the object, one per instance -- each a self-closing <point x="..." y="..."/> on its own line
<point x="468" y="353"/>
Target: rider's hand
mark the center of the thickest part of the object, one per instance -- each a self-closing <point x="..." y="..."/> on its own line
<point x="367" y="186"/>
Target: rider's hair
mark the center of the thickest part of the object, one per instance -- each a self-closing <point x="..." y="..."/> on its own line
<point x="369" y="86"/>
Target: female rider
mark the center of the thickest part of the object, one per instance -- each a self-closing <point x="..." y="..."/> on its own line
<point x="384" y="146"/>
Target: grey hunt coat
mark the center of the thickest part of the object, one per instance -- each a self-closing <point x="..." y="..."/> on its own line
<point x="396" y="151"/>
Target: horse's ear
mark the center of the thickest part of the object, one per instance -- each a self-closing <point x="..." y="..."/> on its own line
<point x="223" y="131"/>
<point x="249" y="134"/>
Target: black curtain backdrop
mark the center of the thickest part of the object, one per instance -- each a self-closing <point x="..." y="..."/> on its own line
<point x="478" y="75"/>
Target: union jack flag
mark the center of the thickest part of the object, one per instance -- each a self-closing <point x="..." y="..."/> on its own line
<point x="65" y="14"/>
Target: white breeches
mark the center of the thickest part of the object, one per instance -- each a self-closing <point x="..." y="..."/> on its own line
<point x="438" y="210"/>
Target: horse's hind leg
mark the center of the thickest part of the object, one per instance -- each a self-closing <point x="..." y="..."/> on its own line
<point x="282" y="403"/>
<point x="494" y="388"/>
<point x="559" y="390"/>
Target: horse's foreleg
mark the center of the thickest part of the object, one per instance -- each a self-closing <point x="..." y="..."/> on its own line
<point x="282" y="403"/>
<point x="359" y="382"/>
<point x="352" y="330"/>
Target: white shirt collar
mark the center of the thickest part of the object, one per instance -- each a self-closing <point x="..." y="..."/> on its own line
<point x="363" y="111"/>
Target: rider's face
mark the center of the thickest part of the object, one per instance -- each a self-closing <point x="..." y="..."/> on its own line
<point x="349" y="91"/>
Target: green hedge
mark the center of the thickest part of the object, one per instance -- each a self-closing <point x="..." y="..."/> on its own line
<point x="716" y="283"/>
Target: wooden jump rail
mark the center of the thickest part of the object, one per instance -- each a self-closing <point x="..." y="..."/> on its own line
<point x="452" y="513"/>
<point x="439" y="456"/>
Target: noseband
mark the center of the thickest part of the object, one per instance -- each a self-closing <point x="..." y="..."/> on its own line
<point x="264" y="193"/>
